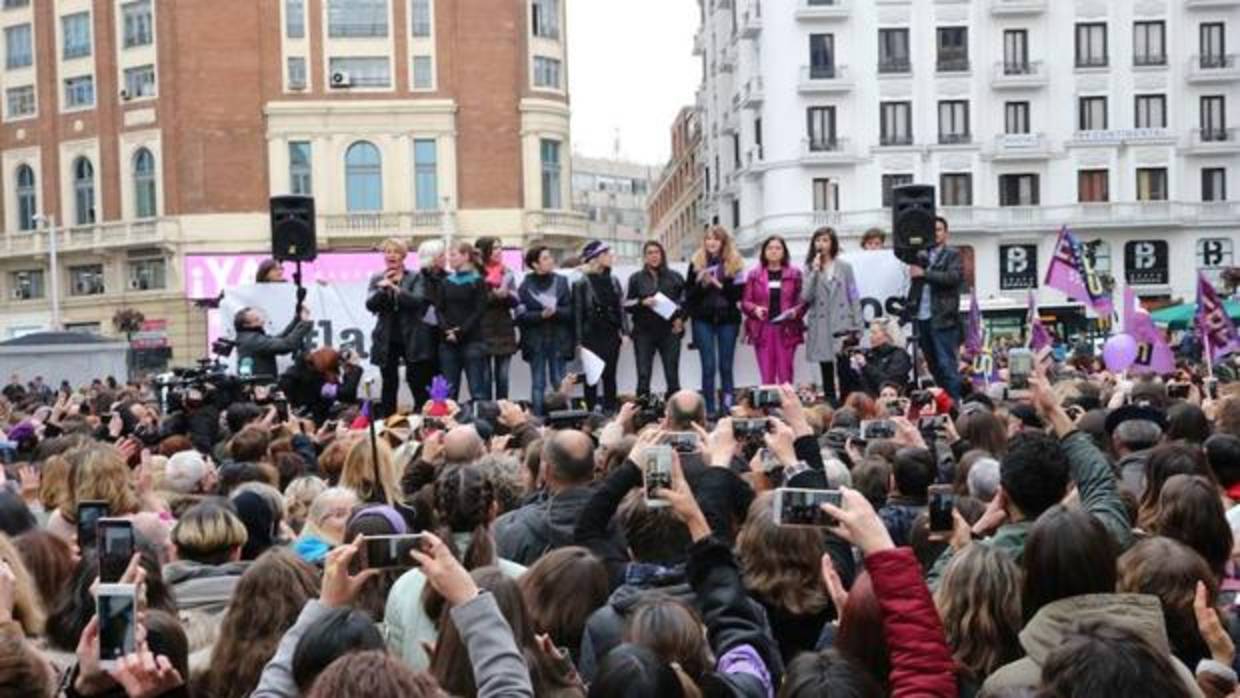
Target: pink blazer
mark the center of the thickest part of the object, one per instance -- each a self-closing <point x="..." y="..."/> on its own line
<point x="757" y="295"/>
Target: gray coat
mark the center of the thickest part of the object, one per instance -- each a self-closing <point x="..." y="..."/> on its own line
<point x="832" y="306"/>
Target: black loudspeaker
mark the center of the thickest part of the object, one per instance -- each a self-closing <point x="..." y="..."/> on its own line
<point x="292" y="229"/>
<point x="912" y="221"/>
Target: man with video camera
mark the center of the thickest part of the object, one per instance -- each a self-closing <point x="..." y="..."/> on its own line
<point x="257" y="351"/>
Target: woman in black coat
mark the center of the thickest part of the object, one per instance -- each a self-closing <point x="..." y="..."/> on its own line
<point x="393" y="300"/>
<point x="545" y="313"/>
<point x="886" y="361"/>
<point x="462" y="302"/>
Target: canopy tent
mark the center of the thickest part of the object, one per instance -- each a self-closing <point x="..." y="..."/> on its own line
<point x="1179" y="317"/>
<point x="76" y="357"/>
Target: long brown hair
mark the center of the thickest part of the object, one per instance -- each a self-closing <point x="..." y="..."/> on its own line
<point x="28" y="608"/>
<point x="979" y="602"/>
<point x="372" y="673"/>
<point x="1190" y="511"/>
<point x="732" y="261"/>
<point x="49" y="560"/>
<point x="563" y="616"/>
<point x="1170" y="570"/>
<point x="781" y="565"/>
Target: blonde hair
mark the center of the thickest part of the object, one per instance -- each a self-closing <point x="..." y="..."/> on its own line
<point x="99" y="473"/>
<point x="394" y="245"/>
<point x="28" y="608"/>
<point x="321" y="507"/>
<point x="359" y="472"/>
<point x="890" y="327"/>
<point x="208" y="533"/>
<point x="732" y="261"/>
<point x="980" y="603"/>
<point x="299" y="496"/>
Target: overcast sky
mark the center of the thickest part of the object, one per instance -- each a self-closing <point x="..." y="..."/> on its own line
<point x="631" y="68"/>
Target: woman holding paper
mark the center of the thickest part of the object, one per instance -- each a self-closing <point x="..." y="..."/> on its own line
<point x="772" y="308"/>
<point x="545" y="313"/>
<point x="712" y="299"/>
<point x="654" y="299"/>
<point x="600" y="322"/>
<point x="832" y="313"/>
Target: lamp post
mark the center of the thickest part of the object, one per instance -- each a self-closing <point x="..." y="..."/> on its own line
<point x="54" y="264"/>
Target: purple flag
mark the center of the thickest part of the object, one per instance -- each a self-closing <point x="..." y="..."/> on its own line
<point x="1217" y="329"/>
<point x="1071" y="273"/>
<point x="1038" y="336"/>
<point x="973" y="330"/>
<point x="1154" y="355"/>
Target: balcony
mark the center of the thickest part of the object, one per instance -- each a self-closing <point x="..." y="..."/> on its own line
<point x="897" y="140"/>
<point x="1210" y="4"/>
<point x="92" y="238"/>
<point x="752" y="94"/>
<point x="824" y="79"/>
<point x="817" y="10"/>
<point x="1149" y="61"/>
<point x="729" y="122"/>
<point x="895" y="66"/>
<point x="1116" y="137"/>
<point x="1020" y="146"/>
<point x="1208" y="68"/>
<point x="955" y="138"/>
<point x="1018" y="76"/>
<point x="555" y="226"/>
<point x="751" y="20"/>
<point x="952" y="64"/>
<point x="754" y="161"/>
<point x="827" y="152"/>
<point x="1213" y="141"/>
<point x="1017" y="8"/>
<point x="379" y="225"/>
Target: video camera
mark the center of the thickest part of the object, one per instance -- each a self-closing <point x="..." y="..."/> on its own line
<point x="650" y="409"/>
<point x="186" y="389"/>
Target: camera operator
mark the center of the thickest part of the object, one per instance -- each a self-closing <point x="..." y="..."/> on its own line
<point x="257" y="350"/>
<point x="193" y="415"/>
<point x="886" y="362"/>
<point x="321" y="379"/>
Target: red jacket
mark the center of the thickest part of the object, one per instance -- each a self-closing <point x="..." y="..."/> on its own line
<point x="921" y="661"/>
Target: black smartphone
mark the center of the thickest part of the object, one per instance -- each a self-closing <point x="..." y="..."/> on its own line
<point x="88" y="515"/>
<point x="798" y="507"/>
<point x="875" y="429"/>
<point x="766" y="398"/>
<point x="942" y="501"/>
<point x="392" y="552"/>
<point x="116" y="548"/>
<point x="1177" y="390"/>
<point x="683" y="441"/>
<point x="750" y="429"/>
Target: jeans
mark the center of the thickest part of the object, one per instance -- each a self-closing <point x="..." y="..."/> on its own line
<point x="717" y="346"/>
<point x="607" y="349"/>
<point x="496" y="368"/>
<point x="668" y="346"/>
<point x="470" y="358"/>
<point x="547" y="367"/>
<point x="940" y="347"/>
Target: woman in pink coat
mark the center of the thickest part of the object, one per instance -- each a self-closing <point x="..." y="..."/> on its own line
<point x="773" y="310"/>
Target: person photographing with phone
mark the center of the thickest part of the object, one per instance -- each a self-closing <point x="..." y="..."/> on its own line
<point x="934" y="303"/>
<point x="832" y="313"/>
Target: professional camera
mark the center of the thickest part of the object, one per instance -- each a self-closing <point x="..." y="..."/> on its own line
<point x="650" y="409"/>
<point x="186" y="389"/>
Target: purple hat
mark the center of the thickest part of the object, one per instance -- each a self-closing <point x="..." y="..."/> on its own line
<point x="593" y="249"/>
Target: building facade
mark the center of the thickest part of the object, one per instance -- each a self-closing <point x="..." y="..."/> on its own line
<point x="1114" y="118"/>
<point x="148" y="130"/>
<point x="612" y="195"/>
<point x="675" y="205"/>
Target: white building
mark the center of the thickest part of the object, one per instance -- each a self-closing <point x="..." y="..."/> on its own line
<point x="612" y="194"/>
<point x="1111" y="117"/>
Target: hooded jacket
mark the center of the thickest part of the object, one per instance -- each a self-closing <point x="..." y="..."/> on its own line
<point x="202" y="587"/>
<point x="605" y="628"/>
<point x="526" y="534"/>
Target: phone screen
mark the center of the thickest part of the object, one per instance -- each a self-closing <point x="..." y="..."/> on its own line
<point x="88" y="515"/>
<point x="1020" y="365"/>
<point x="794" y="507"/>
<point x="391" y="552"/>
<point x="115" y="548"/>
<point x="116" y="624"/>
<point x="658" y="474"/>
<point x="942" y="501"/>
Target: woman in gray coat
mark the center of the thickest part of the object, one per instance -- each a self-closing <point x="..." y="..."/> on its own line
<point x="833" y="312"/>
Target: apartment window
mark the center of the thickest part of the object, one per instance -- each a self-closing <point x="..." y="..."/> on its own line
<point x="546" y="72"/>
<point x="139" y="27"/>
<point x="18" y="49"/>
<point x="821" y="56"/>
<point x="1213" y="184"/>
<point x="1016" y="117"/>
<point x="549" y="152"/>
<point x="28" y="284"/>
<point x="20" y="101"/>
<point x="1091" y="45"/>
<point x="426" y="174"/>
<point x="893" y="54"/>
<point x="1213" y="45"/>
<point x="347" y="19"/>
<point x="27" y="198"/>
<point x="295" y="19"/>
<point x="956" y="189"/>
<point x="296" y="73"/>
<point x="953" y="49"/>
<point x="420" y="18"/>
<point x="363" y="168"/>
<point x="424" y="73"/>
<point x="823" y="199"/>
<point x="79" y="92"/>
<point x="140" y="81"/>
<point x="364" y="71"/>
<point x="1018" y="190"/>
<point x="14" y="4"/>
<point x="144" y="191"/>
<point x="1151" y="184"/>
<point x="890" y="182"/>
<point x="83" y="191"/>
<point x="1149" y="45"/>
<point x="1213" y="118"/>
<point x="896" y="123"/>
<point x="1151" y="111"/>
<point x="75" y="33"/>
<point x="148" y="274"/>
<point x="1093" y="186"/>
<point x="86" y="280"/>
<point x="736" y="151"/>
<point x="545" y="18"/>
<point x="821" y="128"/>
<point x="954" y="121"/>
<point x="1015" y="52"/>
<point x="300" y="168"/>
<point x="1093" y="114"/>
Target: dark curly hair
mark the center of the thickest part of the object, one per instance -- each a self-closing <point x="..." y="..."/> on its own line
<point x="1034" y="472"/>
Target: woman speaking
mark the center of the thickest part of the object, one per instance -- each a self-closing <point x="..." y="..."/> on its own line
<point x="833" y="312"/>
<point x="392" y="299"/>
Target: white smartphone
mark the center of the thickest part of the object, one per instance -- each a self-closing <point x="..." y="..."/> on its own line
<point x="117" y="607"/>
<point x="657" y="474"/>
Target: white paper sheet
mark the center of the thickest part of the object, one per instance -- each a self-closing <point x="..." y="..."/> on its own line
<point x="546" y="300"/>
<point x="785" y="316"/>
<point x="430" y="317"/>
<point x="665" y="307"/>
<point x="593" y="366"/>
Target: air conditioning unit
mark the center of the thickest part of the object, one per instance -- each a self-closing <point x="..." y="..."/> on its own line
<point x="135" y="285"/>
<point x="125" y="95"/>
<point x="341" y="78"/>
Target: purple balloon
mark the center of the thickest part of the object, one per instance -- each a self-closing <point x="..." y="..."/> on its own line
<point x="1119" y="352"/>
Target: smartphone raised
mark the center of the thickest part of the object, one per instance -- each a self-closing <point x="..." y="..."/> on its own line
<point x="767" y="398"/>
<point x="1020" y="367"/>
<point x="875" y="429"/>
<point x="391" y="552"/>
<point x="116" y="547"/>
<point x="88" y="515"/>
<point x="941" y="503"/>
<point x="800" y="507"/>
<point x="117" y="608"/>
<point x="657" y="474"/>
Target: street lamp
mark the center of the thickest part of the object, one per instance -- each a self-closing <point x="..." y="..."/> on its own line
<point x="50" y="220"/>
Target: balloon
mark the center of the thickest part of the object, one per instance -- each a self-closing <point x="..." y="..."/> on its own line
<point x="1119" y="352"/>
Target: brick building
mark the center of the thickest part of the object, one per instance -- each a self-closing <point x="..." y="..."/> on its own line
<point x="674" y="205"/>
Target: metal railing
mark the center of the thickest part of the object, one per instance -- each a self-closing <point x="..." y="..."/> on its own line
<point x="952" y="64"/>
<point x="955" y="138"/>
<point x="379" y="223"/>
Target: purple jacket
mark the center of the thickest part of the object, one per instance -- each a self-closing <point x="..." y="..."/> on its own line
<point x="757" y="295"/>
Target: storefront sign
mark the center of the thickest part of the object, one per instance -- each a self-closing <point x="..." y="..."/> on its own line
<point x="1018" y="267"/>
<point x="1145" y="263"/>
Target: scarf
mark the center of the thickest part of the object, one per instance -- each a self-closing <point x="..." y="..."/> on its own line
<point x="463" y="278"/>
<point x="495" y="275"/>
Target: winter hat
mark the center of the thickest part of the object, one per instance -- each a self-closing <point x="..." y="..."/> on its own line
<point x="593" y="249"/>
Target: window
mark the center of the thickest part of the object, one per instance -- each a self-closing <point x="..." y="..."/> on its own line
<point x="1213" y="184"/>
<point x="954" y="121"/>
<point x="420" y="18"/>
<point x="1093" y="186"/>
<point x="79" y="92"/>
<point x="300" y="179"/>
<point x="824" y="199"/>
<point x="1016" y="52"/>
<point x="364" y="71"/>
<point x="1213" y="118"/>
<point x="295" y="19"/>
<point x="139" y="29"/>
<point x="1093" y="114"/>
<point x="1098" y="255"/>
<point x="27" y="198"/>
<point x="14" y="4"/>
<point x="1213" y="45"/>
<point x="1151" y="111"/>
<point x="546" y="72"/>
<point x="424" y="73"/>
<point x="357" y="18"/>
<point x="363" y="168"/>
<point x="140" y="81"/>
<point x="75" y="33"/>
<point x="956" y="189"/>
<point x="148" y="274"/>
<point x="1149" y="43"/>
<point x="28" y="284"/>
<point x="1151" y="184"/>
<point x="896" y="123"/>
<point x="736" y="151"/>
<point x="83" y="192"/>
<point x="549" y="152"/>
<point x="953" y="49"/>
<point x="1018" y="190"/>
<point x="20" y="101"/>
<point x="893" y="56"/>
<point x="425" y="175"/>
<point x="18" y="50"/>
<point x="144" y="184"/>
<point x="890" y="182"/>
<point x="545" y="18"/>
<point x="821" y="128"/>
<point x="86" y="280"/>
<point x="296" y="73"/>
<point x="1016" y="117"/>
<point x="821" y="56"/>
<point x="1091" y="45"/>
